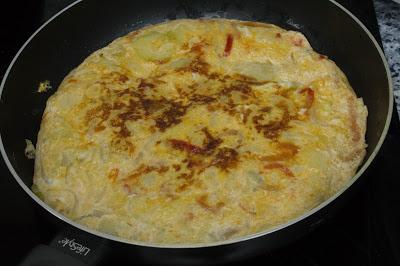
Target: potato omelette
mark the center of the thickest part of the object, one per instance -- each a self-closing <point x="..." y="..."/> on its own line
<point x="198" y="131"/>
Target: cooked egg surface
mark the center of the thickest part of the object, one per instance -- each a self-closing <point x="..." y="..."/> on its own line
<point x="197" y="131"/>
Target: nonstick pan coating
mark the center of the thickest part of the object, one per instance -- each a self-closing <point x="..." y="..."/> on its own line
<point x="64" y="42"/>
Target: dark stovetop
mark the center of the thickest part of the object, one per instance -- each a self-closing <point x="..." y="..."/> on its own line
<point x="364" y="232"/>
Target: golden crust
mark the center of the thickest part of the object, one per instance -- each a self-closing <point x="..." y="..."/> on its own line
<point x="196" y="131"/>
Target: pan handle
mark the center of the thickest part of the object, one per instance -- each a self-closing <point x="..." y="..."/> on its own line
<point x="69" y="248"/>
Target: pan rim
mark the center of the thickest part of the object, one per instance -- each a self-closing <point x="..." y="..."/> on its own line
<point x="291" y="222"/>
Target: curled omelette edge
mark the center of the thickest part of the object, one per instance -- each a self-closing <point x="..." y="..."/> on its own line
<point x="196" y="131"/>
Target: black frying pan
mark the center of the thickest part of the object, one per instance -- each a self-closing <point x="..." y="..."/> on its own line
<point x="70" y="36"/>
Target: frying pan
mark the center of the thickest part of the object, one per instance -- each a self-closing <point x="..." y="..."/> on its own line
<point x="85" y="26"/>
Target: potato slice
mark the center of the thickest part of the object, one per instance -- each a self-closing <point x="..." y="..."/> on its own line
<point x="155" y="46"/>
